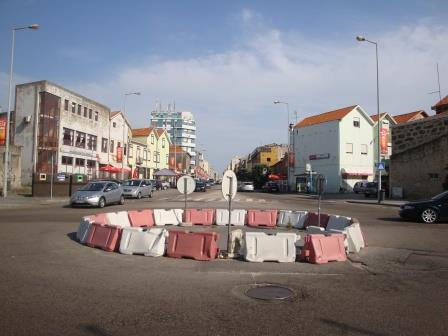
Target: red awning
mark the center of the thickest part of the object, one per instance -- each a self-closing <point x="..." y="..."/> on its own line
<point x="356" y="174"/>
<point x="275" y="177"/>
<point x="112" y="169"/>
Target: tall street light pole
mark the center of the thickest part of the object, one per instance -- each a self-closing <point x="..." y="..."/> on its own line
<point x="363" y="39"/>
<point x="289" y="149"/>
<point x="124" y="130"/>
<point x="8" y="112"/>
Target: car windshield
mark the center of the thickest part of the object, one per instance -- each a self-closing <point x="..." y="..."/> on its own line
<point x="443" y="195"/>
<point x="93" y="187"/>
<point x="371" y="184"/>
<point x="132" y="183"/>
<point x="248" y="183"/>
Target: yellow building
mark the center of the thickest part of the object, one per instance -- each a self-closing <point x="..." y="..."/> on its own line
<point x="267" y="155"/>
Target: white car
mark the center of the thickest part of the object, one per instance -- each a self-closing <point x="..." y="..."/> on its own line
<point x="246" y="186"/>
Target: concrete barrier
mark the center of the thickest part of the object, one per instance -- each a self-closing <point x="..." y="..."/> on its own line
<point x="168" y="216"/>
<point x="288" y="218"/>
<point x="262" y="218"/>
<point x="106" y="237"/>
<point x="237" y="217"/>
<point x="83" y="229"/>
<point x="260" y="246"/>
<point x="120" y="218"/>
<point x="320" y="249"/>
<point x="312" y="219"/>
<point x="200" y="216"/>
<point x="144" y="218"/>
<point x="195" y="245"/>
<point x="149" y="242"/>
<point x="315" y="230"/>
<point x="338" y="222"/>
<point x="354" y="239"/>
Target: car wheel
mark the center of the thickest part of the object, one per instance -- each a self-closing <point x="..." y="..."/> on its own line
<point x="150" y="194"/>
<point x="165" y="188"/>
<point x="139" y="195"/>
<point x="429" y="216"/>
<point x="101" y="203"/>
<point x="121" y="202"/>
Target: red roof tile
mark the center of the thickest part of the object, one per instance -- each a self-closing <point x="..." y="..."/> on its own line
<point x="141" y="132"/>
<point x="325" y="117"/>
<point x="159" y="131"/>
<point x="375" y="116"/>
<point x="403" y="118"/>
<point x="443" y="101"/>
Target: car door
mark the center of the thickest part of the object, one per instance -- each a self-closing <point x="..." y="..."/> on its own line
<point x="117" y="191"/>
<point x="108" y="193"/>
<point x="444" y="208"/>
<point x="144" y="188"/>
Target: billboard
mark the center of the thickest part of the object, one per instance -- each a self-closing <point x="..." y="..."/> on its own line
<point x="3" y="122"/>
<point x="384" y="135"/>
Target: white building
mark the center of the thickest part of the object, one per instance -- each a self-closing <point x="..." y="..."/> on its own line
<point x="181" y="128"/>
<point x="337" y="144"/>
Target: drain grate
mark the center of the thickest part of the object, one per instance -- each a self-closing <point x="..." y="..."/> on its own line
<point x="270" y="292"/>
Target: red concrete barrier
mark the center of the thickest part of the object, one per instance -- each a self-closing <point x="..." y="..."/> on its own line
<point x="106" y="237"/>
<point x="200" y="216"/>
<point x="100" y="218"/>
<point x="266" y="218"/>
<point x="142" y="218"/>
<point x="320" y="249"/>
<point x="312" y="220"/>
<point x="195" y="245"/>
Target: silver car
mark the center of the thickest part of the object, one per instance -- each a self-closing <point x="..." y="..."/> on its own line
<point x="137" y="188"/>
<point x="98" y="194"/>
<point x="246" y="186"/>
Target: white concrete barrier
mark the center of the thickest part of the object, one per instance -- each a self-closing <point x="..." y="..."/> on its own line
<point x="288" y="218"/>
<point x="315" y="230"/>
<point x="118" y="218"/>
<point x="236" y="243"/>
<point x="168" y="216"/>
<point x="237" y="218"/>
<point x="83" y="229"/>
<point x="149" y="242"/>
<point x="259" y="247"/>
<point x="338" y="222"/>
<point x="354" y="240"/>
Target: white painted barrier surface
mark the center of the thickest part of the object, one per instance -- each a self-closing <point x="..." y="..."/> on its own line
<point x="354" y="240"/>
<point x="118" y="218"/>
<point x="83" y="229"/>
<point x="288" y="218"/>
<point x="315" y="230"/>
<point x="259" y="247"/>
<point x="236" y="243"/>
<point x="167" y="217"/>
<point x="338" y="222"/>
<point x="237" y="218"/>
<point x="150" y="242"/>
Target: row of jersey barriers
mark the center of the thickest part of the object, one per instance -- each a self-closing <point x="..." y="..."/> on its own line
<point x="133" y="232"/>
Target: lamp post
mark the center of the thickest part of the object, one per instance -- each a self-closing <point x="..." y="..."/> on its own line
<point x="363" y="39"/>
<point x="289" y="150"/>
<point x="124" y="129"/>
<point x="8" y="112"/>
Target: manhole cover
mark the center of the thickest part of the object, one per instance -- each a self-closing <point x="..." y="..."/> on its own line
<point x="270" y="292"/>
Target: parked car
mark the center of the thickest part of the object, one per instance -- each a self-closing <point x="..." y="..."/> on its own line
<point x="99" y="193"/>
<point x="165" y="185"/>
<point x="371" y="189"/>
<point x="430" y="211"/>
<point x="246" y="186"/>
<point x="119" y="182"/>
<point x="360" y="187"/>
<point x="154" y="184"/>
<point x="208" y="184"/>
<point x="270" y="187"/>
<point x="161" y="185"/>
<point x="137" y="188"/>
<point x="200" y="186"/>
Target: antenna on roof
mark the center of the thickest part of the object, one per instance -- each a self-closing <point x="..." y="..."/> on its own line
<point x="438" y="82"/>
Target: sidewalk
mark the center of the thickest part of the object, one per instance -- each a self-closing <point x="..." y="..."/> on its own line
<point x="353" y="198"/>
<point x="24" y="201"/>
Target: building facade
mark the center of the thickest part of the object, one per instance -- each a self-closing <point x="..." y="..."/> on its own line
<point x="337" y="144"/>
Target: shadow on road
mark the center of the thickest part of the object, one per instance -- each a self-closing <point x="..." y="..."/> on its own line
<point x="91" y="329"/>
<point x="345" y="328"/>
<point x="72" y="236"/>
<point x="394" y="219"/>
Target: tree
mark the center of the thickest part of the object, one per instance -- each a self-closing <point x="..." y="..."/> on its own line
<point x="257" y="175"/>
<point x="243" y="175"/>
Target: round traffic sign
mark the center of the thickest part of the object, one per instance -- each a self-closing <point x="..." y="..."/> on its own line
<point x="186" y="185"/>
<point x="229" y="184"/>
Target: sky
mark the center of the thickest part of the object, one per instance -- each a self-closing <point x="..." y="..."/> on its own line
<point x="227" y="61"/>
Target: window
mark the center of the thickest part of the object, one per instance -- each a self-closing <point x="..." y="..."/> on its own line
<point x="163" y="143"/>
<point x="356" y="122"/>
<point x="149" y="155"/>
<point x="349" y="148"/>
<point x="124" y="150"/>
<point x="114" y="124"/>
<point x="268" y="159"/>
<point x="79" y="162"/>
<point x="79" y="109"/>
<point x="364" y="149"/>
<point x="73" y="107"/>
<point x="145" y="155"/>
<point x="167" y="159"/>
<point x="131" y="151"/>
<point x="80" y="140"/>
<point x="152" y="139"/>
<point x="138" y="156"/>
<point x="66" y="105"/>
<point x="67" y="138"/>
<point x="67" y="160"/>
<point x="91" y="142"/>
<point x="91" y="164"/>
<point x="111" y="146"/>
<point x="85" y="112"/>
<point x="90" y="113"/>
<point x="104" y="145"/>
<point x="96" y="115"/>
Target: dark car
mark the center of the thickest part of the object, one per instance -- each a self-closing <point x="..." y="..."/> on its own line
<point x="200" y="186"/>
<point x="371" y="189"/>
<point x="430" y="211"/>
<point x="270" y="187"/>
<point x="360" y="187"/>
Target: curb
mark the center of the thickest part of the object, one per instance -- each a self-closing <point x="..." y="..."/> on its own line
<point x="372" y="203"/>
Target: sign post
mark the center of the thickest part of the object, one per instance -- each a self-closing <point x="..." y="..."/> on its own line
<point x="228" y="187"/>
<point x="380" y="168"/>
<point x="186" y="185"/>
<point x="321" y="181"/>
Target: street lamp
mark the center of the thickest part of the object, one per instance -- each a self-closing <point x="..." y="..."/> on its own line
<point x="8" y="112"/>
<point x="289" y="150"/>
<point x="124" y="129"/>
<point x="363" y="39"/>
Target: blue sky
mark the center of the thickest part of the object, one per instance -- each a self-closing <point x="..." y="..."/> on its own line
<point x="226" y="61"/>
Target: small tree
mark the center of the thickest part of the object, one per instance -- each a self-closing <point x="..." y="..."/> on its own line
<point x="243" y="175"/>
<point x="257" y="175"/>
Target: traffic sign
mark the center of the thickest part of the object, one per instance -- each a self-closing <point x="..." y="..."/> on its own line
<point x="380" y="166"/>
<point x="229" y="184"/>
<point x="186" y="185"/>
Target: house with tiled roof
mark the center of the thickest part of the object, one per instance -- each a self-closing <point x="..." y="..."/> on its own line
<point x="411" y="116"/>
<point x="441" y="106"/>
<point x="337" y="144"/>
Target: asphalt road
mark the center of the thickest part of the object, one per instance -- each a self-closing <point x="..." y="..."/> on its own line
<point x="52" y="285"/>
